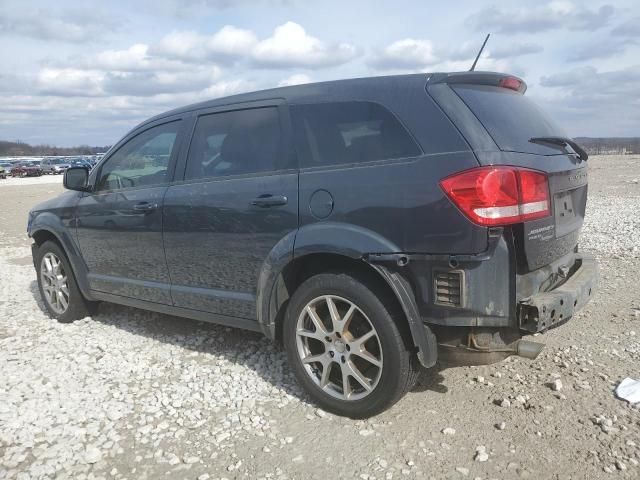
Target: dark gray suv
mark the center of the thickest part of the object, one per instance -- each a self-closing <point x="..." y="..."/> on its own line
<point x="372" y="226"/>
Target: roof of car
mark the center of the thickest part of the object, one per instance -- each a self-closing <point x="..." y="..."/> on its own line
<point x="320" y="91"/>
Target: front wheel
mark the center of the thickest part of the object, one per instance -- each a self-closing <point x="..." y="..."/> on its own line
<point x="57" y="285"/>
<point x="347" y="346"/>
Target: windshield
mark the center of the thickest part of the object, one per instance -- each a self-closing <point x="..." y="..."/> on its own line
<point x="510" y="118"/>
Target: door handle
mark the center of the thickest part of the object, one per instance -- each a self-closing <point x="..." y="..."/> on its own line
<point x="266" y="201"/>
<point x="145" y="207"/>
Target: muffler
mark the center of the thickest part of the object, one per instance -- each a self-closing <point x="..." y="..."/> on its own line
<point x="527" y="349"/>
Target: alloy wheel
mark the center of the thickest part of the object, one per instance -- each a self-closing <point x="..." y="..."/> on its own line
<point x="339" y="347"/>
<point x="54" y="283"/>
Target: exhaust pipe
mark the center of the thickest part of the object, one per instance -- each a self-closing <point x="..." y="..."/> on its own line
<point x="527" y="349"/>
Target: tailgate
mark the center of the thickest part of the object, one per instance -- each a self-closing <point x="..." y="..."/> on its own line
<point x="549" y="238"/>
<point x="500" y="122"/>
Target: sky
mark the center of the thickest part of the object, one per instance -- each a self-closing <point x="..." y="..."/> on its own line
<point x="87" y="72"/>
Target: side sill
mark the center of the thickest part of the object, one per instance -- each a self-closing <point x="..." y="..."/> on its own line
<point x="208" y="317"/>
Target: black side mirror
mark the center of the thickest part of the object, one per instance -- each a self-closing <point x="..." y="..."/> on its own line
<point x="76" y="178"/>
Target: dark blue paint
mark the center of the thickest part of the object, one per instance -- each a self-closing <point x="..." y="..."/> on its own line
<point x="209" y="250"/>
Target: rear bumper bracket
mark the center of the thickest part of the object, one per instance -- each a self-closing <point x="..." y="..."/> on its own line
<point x="550" y="309"/>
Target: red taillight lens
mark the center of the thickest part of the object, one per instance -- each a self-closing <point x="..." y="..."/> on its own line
<point x="512" y="83"/>
<point x="494" y="196"/>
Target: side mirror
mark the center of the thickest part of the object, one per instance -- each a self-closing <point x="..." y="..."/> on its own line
<point x="76" y="178"/>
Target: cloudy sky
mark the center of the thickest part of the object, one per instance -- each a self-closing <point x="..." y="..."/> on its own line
<point x="86" y="72"/>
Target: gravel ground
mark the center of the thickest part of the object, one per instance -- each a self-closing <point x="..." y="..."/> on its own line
<point x="41" y="180"/>
<point x="131" y="394"/>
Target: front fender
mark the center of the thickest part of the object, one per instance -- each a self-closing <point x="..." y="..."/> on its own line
<point x="62" y="231"/>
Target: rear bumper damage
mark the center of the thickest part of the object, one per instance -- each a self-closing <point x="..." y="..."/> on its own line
<point x="549" y="309"/>
<point x="534" y="314"/>
<point x="491" y="306"/>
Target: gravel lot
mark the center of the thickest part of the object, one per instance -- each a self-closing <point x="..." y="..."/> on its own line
<point x="131" y="394"/>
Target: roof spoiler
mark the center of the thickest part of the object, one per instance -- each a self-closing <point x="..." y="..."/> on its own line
<point x="480" y="78"/>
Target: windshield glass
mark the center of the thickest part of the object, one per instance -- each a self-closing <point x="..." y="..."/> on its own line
<point x="510" y="118"/>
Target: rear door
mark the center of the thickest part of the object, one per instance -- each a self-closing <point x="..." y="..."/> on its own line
<point x="237" y="201"/>
<point x="119" y="223"/>
<point x="511" y="120"/>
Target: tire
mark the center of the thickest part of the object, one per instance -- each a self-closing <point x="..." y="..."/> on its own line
<point x="325" y="347"/>
<point x="64" y="307"/>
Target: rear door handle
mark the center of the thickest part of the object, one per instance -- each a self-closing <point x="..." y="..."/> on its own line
<point x="145" y="207"/>
<point x="266" y="201"/>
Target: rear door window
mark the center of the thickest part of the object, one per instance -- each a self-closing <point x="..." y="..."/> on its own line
<point x="510" y="118"/>
<point x="339" y="133"/>
<point x="235" y="143"/>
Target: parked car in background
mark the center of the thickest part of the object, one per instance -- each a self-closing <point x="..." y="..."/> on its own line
<point x="369" y="225"/>
<point x="54" y="166"/>
<point x="80" y="162"/>
<point x="27" y="169"/>
<point x="6" y="168"/>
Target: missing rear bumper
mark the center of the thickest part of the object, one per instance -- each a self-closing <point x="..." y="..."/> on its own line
<point x="550" y="309"/>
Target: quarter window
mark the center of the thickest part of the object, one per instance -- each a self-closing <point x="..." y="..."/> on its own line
<point x="235" y="143"/>
<point x="348" y="132"/>
<point x="143" y="160"/>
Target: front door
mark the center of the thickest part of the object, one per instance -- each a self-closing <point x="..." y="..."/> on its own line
<point x="239" y="198"/>
<point x="119" y="223"/>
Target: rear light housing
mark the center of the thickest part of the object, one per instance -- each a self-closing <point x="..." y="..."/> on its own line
<point x="497" y="196"/>
<point x="512" y="83"/>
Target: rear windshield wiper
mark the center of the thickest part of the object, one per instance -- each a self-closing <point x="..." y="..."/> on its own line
<point x="562" y="141"/>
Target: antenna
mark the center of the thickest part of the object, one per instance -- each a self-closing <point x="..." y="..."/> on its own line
<point x="479" y="53"/>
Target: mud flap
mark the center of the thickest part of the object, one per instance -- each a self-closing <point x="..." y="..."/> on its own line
<point x="423" y="337"/>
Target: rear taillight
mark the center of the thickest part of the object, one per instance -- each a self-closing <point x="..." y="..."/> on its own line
<point x="495" y="196"/>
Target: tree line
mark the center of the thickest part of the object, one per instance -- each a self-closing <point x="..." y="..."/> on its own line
<point x="17" y="149"/>
<point x="594" y="146"/>
<point x="611" y="145"/>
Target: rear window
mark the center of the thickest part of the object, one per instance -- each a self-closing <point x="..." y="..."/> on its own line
<point x="510" y="118"/>
<point x="338" y="133"/>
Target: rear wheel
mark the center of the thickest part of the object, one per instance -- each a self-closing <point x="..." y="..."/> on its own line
<point x="57" y="285"/>
<point x="346" y="347"/>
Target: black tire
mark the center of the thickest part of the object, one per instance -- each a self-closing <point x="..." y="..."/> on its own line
<point x="399" y="371"/>
<point x="78" y="307"/>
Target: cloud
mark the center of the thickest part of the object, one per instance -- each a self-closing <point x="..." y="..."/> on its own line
<point x="295" y="79"/>
<point x="290" y="46"/>
<point x="74" y="82"/>
<point x="582" y="95"/>
<point x="514" y="49"/>
<point x="152" y="83"/>
<point x="133" y="59"/>
<point x="417" y="55"/>
<point x="405" y="54"/>
<point x="78" y="25"/>
<point x="630" y="28"/>
<point x="70" y="82"/>
<point x="228" y="44"/>
<point x="606" y="48"/>
<point x="553" y="15"/>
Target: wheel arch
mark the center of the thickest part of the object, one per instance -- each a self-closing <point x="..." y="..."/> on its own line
<point x="300" y="268"/>
<point x="42" y="231"/>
